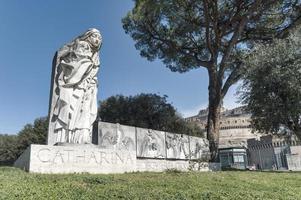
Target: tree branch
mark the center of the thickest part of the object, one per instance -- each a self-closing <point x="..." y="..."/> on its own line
<point x="207" y="22"/>
<point x="173" y="44"/>
<point x="232" y="78"/>
<point x="232" y="42"/>
<point x="285" y="32"/>
<point x="216" y="29"/>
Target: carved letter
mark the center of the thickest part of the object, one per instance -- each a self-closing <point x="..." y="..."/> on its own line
<point x="129" y="158"/>
<point x="92" y="155"/>
<point x="103" y="156"/>
<point x="58" y="154"/>
<point x="83" y="157"/>
<point x="118" y="156"/>
<point x="42" y="158"/>
<point x="68" y="154"/>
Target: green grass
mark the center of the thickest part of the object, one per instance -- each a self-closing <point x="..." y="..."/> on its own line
<point x="17" y="184"/>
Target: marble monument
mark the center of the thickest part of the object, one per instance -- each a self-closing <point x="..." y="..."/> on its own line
<point x="73" y="99"/>
<point x="119" y="148"/>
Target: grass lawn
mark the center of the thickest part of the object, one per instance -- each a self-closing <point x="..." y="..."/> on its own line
<point x="17" y="184"/>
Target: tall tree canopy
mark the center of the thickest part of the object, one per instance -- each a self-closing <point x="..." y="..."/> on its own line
<point x="272" y="85"/>
<point x="146" y="111"/>
<point x="208" y="33"/>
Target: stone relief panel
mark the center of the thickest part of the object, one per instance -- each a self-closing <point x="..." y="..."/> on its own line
<point x="199" y="148"/>
<point x="177" y="146"/>
<point x="116" y="136"/>
<point x="150" y="143"/>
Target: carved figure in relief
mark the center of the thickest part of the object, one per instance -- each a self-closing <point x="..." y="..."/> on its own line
<point x="200" y="149"/>
<point x="118" y="140"/>
<point x="73" y="107"/>
<point x="184" y="152"/>
<point x="177" y="146"/>
<point x="151" y="145"/>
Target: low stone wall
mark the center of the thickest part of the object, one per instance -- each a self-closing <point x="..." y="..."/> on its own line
<point x="294" y="158"/>
<point x="92" y="159"/>
<point x="156" y="165"/>
<point x="150" y="143"/>
<point x="120" y="149"/>
<point x="78" y="159"/>
<point x="293" y="162"/>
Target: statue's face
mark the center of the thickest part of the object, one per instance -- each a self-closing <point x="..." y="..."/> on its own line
<point x="95" y="39"/>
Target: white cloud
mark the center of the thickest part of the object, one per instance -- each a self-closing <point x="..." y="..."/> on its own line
<point x="193" y="111"/>
<point x="229" y="102"/>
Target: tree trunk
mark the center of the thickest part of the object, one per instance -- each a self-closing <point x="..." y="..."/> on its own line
<point x="214" y="108"/>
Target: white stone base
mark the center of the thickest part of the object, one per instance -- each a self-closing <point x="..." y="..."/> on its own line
<point x="159" y="165"/>
<point x="92" y="159"/>
<point x="76" y="159"/>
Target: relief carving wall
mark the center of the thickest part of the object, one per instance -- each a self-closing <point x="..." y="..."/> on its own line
<point x="199" y="147"/>
<point x="177" y="146"/>
<point x="150" y="143"/>
<point x="116" y="136"/>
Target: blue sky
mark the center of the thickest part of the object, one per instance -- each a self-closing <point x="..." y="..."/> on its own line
<point x="32" y="30"/>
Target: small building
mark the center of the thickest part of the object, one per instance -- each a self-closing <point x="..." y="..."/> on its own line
<point x="233" y="158"/>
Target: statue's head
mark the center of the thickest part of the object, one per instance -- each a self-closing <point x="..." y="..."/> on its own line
<point x="92" y="36"/>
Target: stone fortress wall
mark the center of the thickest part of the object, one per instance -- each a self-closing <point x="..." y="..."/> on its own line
<point x="282" y="152"/>
<point x="267" y="152"/>
<point x="235" y="127"/>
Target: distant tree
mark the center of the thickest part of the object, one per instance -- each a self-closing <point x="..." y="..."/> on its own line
<point x="208" y="33"/>
<point x="146" y="111"/>
<point x="8" y="149"/>
<point x="272" y="86"/>
<point x="33" y="134"/>
<point x="12" y="146"/>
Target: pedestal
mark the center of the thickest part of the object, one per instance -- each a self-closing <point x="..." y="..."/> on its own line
<point x="76" y="159"/>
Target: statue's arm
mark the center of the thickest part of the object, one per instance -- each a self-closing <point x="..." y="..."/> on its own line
<point x="78" y="67"/>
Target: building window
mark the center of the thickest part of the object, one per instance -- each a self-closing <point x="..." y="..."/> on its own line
<point x="238" y="159"/>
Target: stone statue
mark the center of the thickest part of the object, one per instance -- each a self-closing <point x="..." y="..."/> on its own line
<point x="73" y="101"/>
